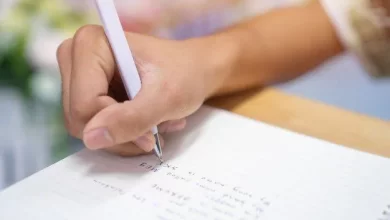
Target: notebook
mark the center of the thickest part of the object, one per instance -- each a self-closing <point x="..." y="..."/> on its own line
<point x="222" y="166"/>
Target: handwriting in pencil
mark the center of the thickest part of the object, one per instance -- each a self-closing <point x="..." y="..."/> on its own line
<point x="213" y="181"/>
<point x="178" y="177"/>
<point x="213" y="198"/>
<point x="110" y="187"/>
<point x="242" y="192"/>
<point x="170" y="192"/>
<point x="156" y="168"/>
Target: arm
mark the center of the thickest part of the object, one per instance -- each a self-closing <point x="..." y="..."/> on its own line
<point x="177" y="76"/>
<point x="277" y="46"/>
<point x="285" y="43"/>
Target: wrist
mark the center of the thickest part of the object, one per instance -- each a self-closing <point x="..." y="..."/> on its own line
<point x="217" y="55"/>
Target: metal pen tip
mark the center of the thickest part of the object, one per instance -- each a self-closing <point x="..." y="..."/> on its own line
<point x="157" y="148"/>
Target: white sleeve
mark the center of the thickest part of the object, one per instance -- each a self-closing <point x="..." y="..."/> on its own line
<point x="363" y="26"/>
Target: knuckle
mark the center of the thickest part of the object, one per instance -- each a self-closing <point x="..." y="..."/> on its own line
<point x="88" y="32"/>
<point x="79" y="113"/>
<point x="93" y="39"/>
<point x="63" y="48"/>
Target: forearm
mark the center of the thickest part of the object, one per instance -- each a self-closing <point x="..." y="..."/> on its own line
<point x="271" y="48"/>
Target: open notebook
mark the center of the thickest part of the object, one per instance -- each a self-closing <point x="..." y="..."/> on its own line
<point x="223" y="166"/>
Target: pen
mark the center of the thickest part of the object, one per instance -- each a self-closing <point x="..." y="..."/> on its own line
<point x="123" y="56"/>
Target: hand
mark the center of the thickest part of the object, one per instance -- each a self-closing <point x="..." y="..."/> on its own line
<point x="176" y="79"/>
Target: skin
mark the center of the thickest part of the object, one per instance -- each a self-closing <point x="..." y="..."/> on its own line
<point x="178" y="76"/>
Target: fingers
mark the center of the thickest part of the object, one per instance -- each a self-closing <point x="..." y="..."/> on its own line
<point x="64" y="58"/>
<point x="126" y="150"/>
<point x="125" y="122"/>
<point x="172" y="126"/>
<point x="131" y="149"/>
<point x="87" y="67"/>
<point x="93" y="67"/>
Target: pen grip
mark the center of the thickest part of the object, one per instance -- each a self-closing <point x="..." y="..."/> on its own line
<point x="120" y="47"/>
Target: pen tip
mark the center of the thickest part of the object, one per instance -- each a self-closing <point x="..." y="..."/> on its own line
<point x="158" y="150"/>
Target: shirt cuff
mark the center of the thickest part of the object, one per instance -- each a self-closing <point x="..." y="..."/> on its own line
<point x="363" y="27"/>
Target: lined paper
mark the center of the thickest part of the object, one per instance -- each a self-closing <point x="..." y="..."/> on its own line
<point x="222" y="166"/>
<point x="267" y="173"/>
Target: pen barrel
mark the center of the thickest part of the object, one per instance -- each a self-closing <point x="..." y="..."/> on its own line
<point x="120" y="47"/>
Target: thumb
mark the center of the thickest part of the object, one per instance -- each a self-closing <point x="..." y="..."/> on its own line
<point x="124" y="122"/>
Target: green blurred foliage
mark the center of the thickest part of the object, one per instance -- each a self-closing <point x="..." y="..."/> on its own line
<point x="15" y="68"/>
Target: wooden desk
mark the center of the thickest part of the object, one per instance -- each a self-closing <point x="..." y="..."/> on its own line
<point x="311" y="118"/>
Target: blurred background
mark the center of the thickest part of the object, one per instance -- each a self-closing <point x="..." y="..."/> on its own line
<point x="32" y="135"/>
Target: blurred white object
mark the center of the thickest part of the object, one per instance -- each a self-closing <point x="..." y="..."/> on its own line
<point x="25" y="142"/>
<point x="43" y="44"/>
<point x="5" y="6"/>
<point x="46" y="87"/>
<point x="254" y="7"/>
<point x="12" y="134"/>
<point x="79" y="5"/>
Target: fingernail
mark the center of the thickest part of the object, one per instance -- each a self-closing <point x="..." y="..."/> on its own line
<point x="98" y="138"/>
<point x="144" y="143"/>
<point x="173" y="127"/>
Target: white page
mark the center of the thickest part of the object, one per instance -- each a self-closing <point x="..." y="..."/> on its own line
<point x="289" y="176"/>
<point x="71" y="186"/>
<point x="267" y="174"/>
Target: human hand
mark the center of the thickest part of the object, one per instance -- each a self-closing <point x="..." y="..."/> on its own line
<point x="176" y="79"/>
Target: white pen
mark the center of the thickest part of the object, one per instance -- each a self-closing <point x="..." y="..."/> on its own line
<point x="123" y="56"/>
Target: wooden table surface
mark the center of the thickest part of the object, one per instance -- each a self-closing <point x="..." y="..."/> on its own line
<point x="311" y="118"/>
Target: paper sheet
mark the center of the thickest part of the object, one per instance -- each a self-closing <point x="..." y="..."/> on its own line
<point x="222" y="166"/>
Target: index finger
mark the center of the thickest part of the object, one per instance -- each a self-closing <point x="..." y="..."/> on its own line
<point x="93" y="69"/>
